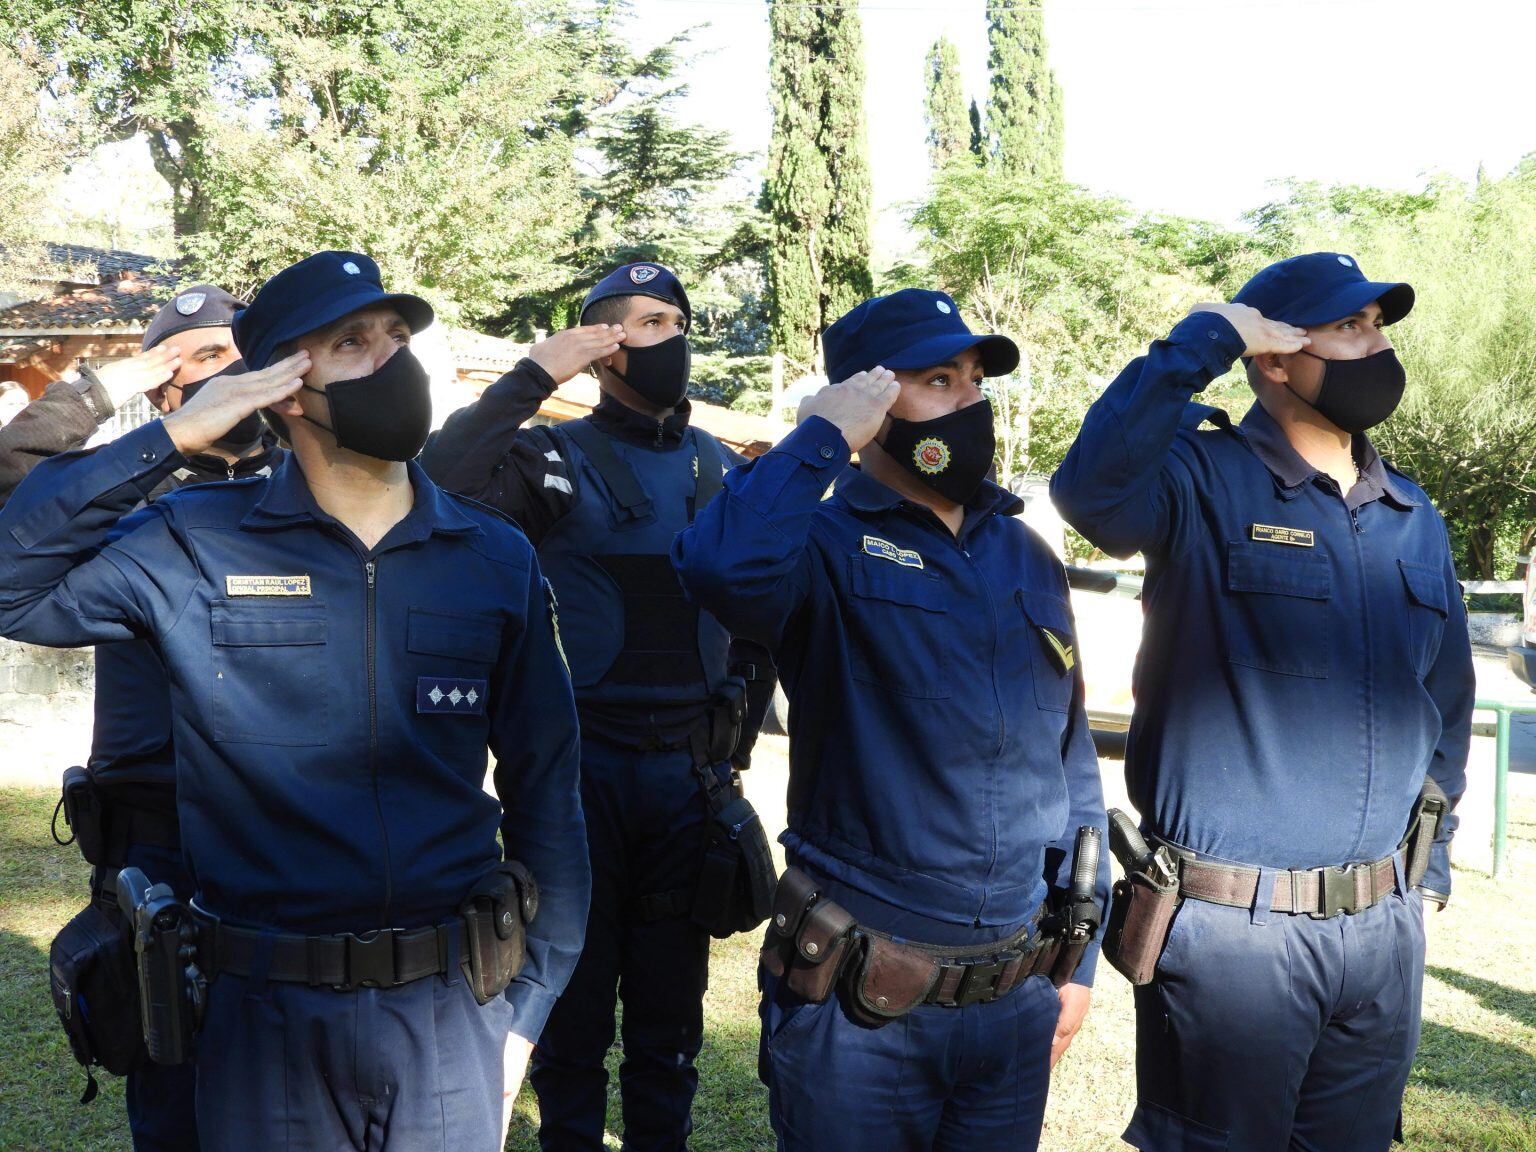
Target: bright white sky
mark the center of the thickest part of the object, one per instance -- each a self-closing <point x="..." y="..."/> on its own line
<point x="1180" y="106"/>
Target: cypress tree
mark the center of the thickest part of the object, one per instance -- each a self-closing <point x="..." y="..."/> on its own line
<point x="978" y="137"/>
<point x="1024" y="114"/>
<point x="817" y="192"/>
<point x="949" y="129"/>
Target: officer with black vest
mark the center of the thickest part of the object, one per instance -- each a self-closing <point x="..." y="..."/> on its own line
<point x="602" y="498"/>
<point x="122" y="804"/>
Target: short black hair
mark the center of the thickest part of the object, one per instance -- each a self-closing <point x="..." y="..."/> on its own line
<point x="608" y="310"/>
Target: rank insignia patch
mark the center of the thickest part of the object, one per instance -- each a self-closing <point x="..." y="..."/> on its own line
<point x="449" y="694"/>
<point x="1061" y="649"/>
<point x="931" y="455"/>
<point x="266" y="586"/>
<point x="1271" y="534"/>
<point x="874" y="546"/>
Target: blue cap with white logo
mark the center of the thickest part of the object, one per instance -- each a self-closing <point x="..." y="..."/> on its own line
<point x="642" y="279"/>
<point x="1319" y="288"/>
<point x="913" y="328"/>
<point x="317" y="291"/>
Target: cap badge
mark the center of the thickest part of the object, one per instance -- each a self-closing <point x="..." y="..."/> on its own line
<point x="643" y="274"/>
<point x="1346" y="261"/>
<point x="351" y="269"/>
<point x="943" y="307"/>
<point x="189" y="303"/>
<point x="931" y="455"/>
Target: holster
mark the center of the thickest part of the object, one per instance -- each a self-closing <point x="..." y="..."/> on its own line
<point x="172" y="990"/>
<point x="1428" y="814"/>
<point x="496" y="914"/>
<point x="808" y="940"/>
<point x="1141" y="912"/>
<point x="84" y="812"/>
<point x="736" y="876"/>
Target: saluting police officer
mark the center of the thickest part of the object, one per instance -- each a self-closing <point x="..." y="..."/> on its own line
<point x="1304" y="666"/>
<point x="343" y="641"/>
<point x="132" y="766"/>
<point x="602" y="498"/>
<point x="940" y="759"/>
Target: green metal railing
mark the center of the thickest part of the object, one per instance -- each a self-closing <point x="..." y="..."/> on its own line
<point x="1502" y="710"/>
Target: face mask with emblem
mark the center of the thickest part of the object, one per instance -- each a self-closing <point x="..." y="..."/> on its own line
<point x="659" y="373"/>
<point x="1356" y="395"/>
<point x="243" y="436"/>
<point x="950" y="454"/>
<point x="386" y="414"/>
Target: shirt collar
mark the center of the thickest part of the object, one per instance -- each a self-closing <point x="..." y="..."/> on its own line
<point x="863" y="493"/>
<point x="287" y="500"/>
<point x="624" y="422"/>
<point x="1275" y="452"/>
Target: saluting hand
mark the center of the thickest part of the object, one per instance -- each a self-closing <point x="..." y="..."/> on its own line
<point x="125" y="379"/>
<point x="566" y="353"/>
<point x="857" y="406"/>
<point x="1259" y="335"/>
<point x="224" y="402"/>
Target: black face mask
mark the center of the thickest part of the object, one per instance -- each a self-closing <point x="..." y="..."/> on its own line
<point x="659" y="374"/>
<point x="1358" y="394"/>
<point x="386" y="414"/>
<point x="950" y="454"/>
<point x="243" y="436"/>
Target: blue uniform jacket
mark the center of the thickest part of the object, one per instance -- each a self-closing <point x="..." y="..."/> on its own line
<point x="322" y="785"/>
<point x="941" y="761"/>
<point x="1304" y="659"/>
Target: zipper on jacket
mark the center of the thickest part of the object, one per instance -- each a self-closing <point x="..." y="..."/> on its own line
<point x="370" y="567"/>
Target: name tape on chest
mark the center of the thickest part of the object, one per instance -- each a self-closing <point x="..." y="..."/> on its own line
<point x="874" y="546"/>
<point x="266" y="586"/>
<point x="1273" y="534"/>
<point x="450" y="695"/>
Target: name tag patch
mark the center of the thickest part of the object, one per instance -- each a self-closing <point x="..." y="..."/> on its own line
<point x="874" y="546"/>
<point x="266" y="586"/>
<point x="1061" y="649"/>
<point x="450" y="695"/>
<point x="1271" y="534"/>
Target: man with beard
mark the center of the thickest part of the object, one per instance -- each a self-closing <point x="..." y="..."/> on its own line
<point x="1303" y="704"/>
<point x="941" y="768"/>
<point x="343" y="641"/>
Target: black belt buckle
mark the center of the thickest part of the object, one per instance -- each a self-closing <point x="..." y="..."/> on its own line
<point x="1336" y="893"/>
<point x="978" y="983"/>
<point x="371" y="959"/>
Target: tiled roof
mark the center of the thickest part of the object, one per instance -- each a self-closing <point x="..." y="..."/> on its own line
<point x="109" y="263"/>
<point x="124" y="307"/>
<point x="476" y="352"/>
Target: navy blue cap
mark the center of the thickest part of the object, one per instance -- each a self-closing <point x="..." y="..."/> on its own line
<point x="317" y="291"/>
<point x="1319" y="288"/>
<point x="200" y="306"/>
<point x="913" y="328"/>
<point x="644" y="279"/>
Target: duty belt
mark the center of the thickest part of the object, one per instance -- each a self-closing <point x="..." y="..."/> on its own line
<point x="1321" y="893"/>
<point x="383" y="958"/>
<point x="982" y="973"/>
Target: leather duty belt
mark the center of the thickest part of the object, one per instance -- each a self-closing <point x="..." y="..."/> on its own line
<point x="1321" y="893"/>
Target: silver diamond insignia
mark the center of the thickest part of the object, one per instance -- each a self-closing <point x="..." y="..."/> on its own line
<point x="436" y="695"/>
<point x="455" y="696"/>
<point x="471" y="695"/>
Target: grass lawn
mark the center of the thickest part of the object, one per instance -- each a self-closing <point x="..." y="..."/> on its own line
<point x="1474" y="1087"/>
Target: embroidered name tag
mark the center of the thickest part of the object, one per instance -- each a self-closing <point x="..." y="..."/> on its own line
<point x="1061" y="650"/>
<point x="1270" y="534"/>
<point x="266" y="586"/>
<point x="875" y="546"/>
<point x="451" y="695"/>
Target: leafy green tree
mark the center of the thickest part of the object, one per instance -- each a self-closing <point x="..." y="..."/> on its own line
<point x="33" y="154"/>
<point x="817" y="193"/>
<point x="1024" y="114"/>
<point x="949" y="127"/>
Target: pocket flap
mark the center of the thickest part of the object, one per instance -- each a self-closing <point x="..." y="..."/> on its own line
<point x="825" y="925"/>
<point x="883" y="580"/>
<point x="1278" y="570"/>
<point x="1047" y="611"/>
<point x="1425" y="585"/>
<point x="431" y="633"/>
<point x="894" y="979"/>
<point x="248" y="626"/>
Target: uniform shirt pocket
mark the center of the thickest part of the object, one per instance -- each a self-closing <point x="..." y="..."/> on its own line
<point x="1428" y="609"/>
<point x="269" y="672"/>
<point x="1277" y="609"/>
<point x="1053" y="648"/>
<point x="896" y="626"/>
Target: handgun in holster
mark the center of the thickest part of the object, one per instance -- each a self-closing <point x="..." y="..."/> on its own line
<point x="1142" y="904"/>
<point x="1077" y="921"/>
<point x="496" y="914"/>
<point x="727" y="719"/>
<point x="1428" y="814"/>
<point x="172" y="989"/>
